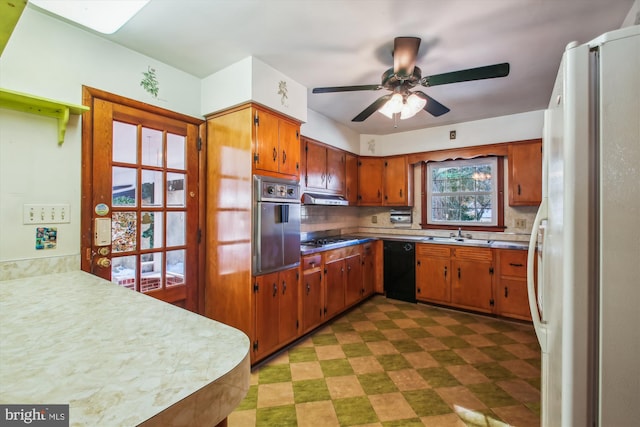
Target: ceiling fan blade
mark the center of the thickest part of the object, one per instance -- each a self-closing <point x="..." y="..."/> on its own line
<point x="405" y="50"/>
<point x="432" y="107"/>
<point x="480" y="73"/>
<point x="345" y="88"/>
<point x="371" y="109"/>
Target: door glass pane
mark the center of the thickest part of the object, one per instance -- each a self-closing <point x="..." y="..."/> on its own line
<point x="125" y="136"/>
<point x="152" y="153"/>
<point x="175" y="151"/>
<point x="175" y="267"/>
<point x="124" y="184"/>
<point x="123" y="271"/>
<point x="150" y="271"/>
<point x="151" y="230"/>
<point x="123" y="232"/>
<point x="175" y="189"/>
<point x="152" y="188"/>
<point x="175" y="228"/>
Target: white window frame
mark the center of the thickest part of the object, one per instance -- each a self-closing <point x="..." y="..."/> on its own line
<point x="493" y="162"/>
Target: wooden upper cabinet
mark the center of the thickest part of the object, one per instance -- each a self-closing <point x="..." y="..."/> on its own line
<point x="525" y="173"/>
<point x="351" y="178"/>
<point x="397" y="183"/>
<point x="324" y="167"/>
<point x="277" y="144"/>
<point x="370" y="181"/>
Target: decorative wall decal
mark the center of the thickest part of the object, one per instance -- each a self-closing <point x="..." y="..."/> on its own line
<point x="150" y="82"/>
<point x="282" y="91"/>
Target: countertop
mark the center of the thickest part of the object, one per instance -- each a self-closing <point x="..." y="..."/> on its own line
<point x="119" y="358"/>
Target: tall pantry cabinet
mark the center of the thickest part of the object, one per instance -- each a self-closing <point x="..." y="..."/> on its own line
<point x="242" y="141"/>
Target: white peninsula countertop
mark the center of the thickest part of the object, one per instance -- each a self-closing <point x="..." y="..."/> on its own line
<point x="117" y="357"/>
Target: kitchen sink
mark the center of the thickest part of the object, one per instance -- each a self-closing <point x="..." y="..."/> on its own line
<point x="459" y="241"/>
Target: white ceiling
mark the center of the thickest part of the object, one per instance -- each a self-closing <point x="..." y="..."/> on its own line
<point x="349" y="42"/>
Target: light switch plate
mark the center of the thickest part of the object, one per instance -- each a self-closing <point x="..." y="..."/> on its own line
<point x="46" y="214"/>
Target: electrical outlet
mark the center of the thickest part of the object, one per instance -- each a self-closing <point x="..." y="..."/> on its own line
<point x="374" y="219"/>
<point x="46" y="214"/>
<point x="521" y="223"/>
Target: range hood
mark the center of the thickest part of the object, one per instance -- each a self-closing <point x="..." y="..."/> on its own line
<point x="324" y="199"/>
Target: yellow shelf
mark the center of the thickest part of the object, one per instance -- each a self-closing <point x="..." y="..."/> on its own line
<point x="41" y="106"/>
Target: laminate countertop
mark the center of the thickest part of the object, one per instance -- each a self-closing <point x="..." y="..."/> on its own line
<point x="117" y="357"/>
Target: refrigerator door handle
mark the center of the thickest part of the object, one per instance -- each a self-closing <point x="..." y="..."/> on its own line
<point x="541" y="330"/>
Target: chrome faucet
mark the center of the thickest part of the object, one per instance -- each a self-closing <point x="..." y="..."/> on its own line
<point x="459" y="233"/>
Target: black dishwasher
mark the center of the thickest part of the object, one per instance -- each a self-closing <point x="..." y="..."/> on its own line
<point x="400" y="270"/>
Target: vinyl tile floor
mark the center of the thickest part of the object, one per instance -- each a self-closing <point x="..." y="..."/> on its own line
<point x="391" y="363"/>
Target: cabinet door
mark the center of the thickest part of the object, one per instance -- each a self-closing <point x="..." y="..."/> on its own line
<point x="335" y="287"/>
<point x="396" y="181"/>
<point x="336" y="170"/>
<point x="351" y="179"/>
<point x="471" y="284"/>
<point x="433" y="279"/>
<point x="316" y="162"/>
<point x="267" y="309"/>
<point x="354" y="279"/>
<point x="370" y="181"/>
<point x="368" y="269"/>
<point x="525" y="174"/>
<point x="289" y="148"/>
<point x="513" y="299"/>
<point x="266" y="141"/>
<point x="312" y="299"/>
<point x="288" y="312"/>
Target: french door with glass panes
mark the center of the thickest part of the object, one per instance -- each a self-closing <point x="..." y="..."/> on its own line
<point x="145" y="202"/>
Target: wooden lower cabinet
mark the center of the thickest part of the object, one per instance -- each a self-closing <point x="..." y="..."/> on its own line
<point x="512" y="295"/>
<point x="335" y="287"/>
<point x="312" y="297"/>
<point x="353" y="279"/>
<point x="276" y="309"/>
<point x="433" y="273"/>
<point x="369" y="268"/>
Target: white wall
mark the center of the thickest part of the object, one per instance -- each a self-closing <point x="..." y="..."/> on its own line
<point x="514" y="127"/>
<point x="48" y="58"/>
<point x="323" y="129"/>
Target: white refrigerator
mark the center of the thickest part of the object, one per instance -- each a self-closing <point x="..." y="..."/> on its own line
<point x="586" y="238"/>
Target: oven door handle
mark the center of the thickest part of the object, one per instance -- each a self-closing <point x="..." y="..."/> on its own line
<point x="284" y="213"/>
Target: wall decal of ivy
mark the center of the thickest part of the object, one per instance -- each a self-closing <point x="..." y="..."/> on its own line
<point x="150" y="82"/>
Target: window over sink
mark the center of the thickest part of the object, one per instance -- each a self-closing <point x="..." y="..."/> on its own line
<point x="464" y="193"/>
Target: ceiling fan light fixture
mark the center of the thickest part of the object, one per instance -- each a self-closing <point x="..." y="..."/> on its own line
<point x="393" y="106"/>
<point x="412" y="106"/>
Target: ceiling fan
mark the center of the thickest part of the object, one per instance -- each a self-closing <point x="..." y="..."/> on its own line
<point x="405" y="75"/>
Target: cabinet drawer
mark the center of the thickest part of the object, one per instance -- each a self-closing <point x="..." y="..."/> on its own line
<point x="310" y="262"/>
<point x="335" y="254"/>
<point x="433" y="250"/>
<point x="513" y="263"/>
<point x="473" y="253"/>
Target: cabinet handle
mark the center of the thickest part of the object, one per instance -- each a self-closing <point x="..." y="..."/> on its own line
<point x="419" y="290"/>
<point x="518" y="189"/>
<point x="275" y="289"/>
<point x="513" y="264"/>
<point x="379" y="193"/>
<point x="445" y="271"/>
<point x="284" y="157"/>
<point x="322" y="177"/>
<point x="275" y="154"/>
<point x="308" y="289"/>
<point x="348" y="268"/>
<point x="284" y="287"/>
<point x="328" y="178"/>
<point x="458" y="272"/>
<point x="418" y="262"/>
<point x="506" y="292"/>
<point x="401" y="192"/>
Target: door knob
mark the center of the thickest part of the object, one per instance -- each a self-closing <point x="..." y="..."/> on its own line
<point x="103" y="262"/>
<point x="104" y="251"/>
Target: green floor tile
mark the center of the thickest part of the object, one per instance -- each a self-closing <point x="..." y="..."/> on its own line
<point x="492" y="395"/>
<point x="357" y="316"/>
<point x="498" y="353"/>
<point x="250" y="401"/>
<point x="495" y="371"/>
<point x="336" y="367"/>
<point x="342" y="327"/>
<point x="377" y="383"/>
<point x="460" y="330"/>
<point x="406" y="346"/>
<point x="438" y="377"/>
<point x="356" y="349"/>
<point x="396" y="314"/>
<point x="503" y="326"/>
<point x="426" y="321"/>
<point x="274" y="374"/>
<point x="277" y="416"/>
<point x="499" y="339"/>
<point x="302" y="354"/>
<point x="310" y="390"/>
<point x="464" y="318"/>
<point x="411" y="422"/>
<point x="417" y="333"/>
<point x="454" y="342"/>
<point x="447" y="357"/>
<point x="385" y="324"/>
<point x="324" y="339"/>
<point x="369" y="336"/>
<point x="354" y="411"/>
<point x="533" y="407"/>
<point x="426" y="403"/>
<point x="393" y="362"/>
<point x="535" y="382"/>
<point x="369" y="308"/>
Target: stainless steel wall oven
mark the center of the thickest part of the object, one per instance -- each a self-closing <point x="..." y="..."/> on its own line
<point x="276" y="224"/>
